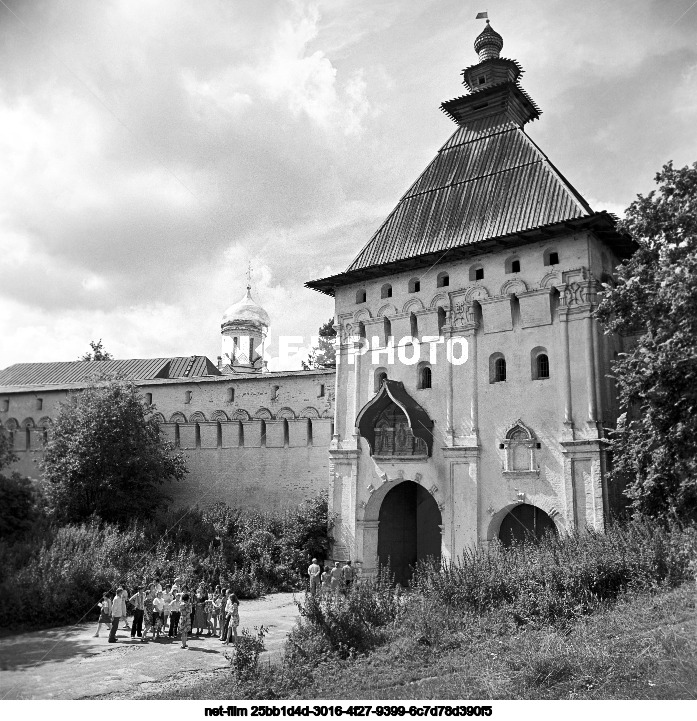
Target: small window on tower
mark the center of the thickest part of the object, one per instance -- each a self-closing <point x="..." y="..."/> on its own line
<point x="321" y="390"/>
<point x="481" y="79"/>
<point x="554" y="258"/>
<point x="479" y="274"/>
<point x="515" y="266"/>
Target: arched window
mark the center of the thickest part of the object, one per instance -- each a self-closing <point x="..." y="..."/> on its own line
<point x="441" y="320"/>
<point x="414" y="285"/>
<point x="476" y="272"/>
<point x="497" y="368"/>
<point x="443" y="280"/>
<point x="39" y="404"/>
<point x="219" y="435"/>
<point x="519" y="445"/>
<point x="551" y="257"/>
<point x="539" y="363"/>
<point x="515" y="311"/>
<point x="198" y="435"/>
<point x="512" y="264"/>
<point x="361" y="295"/>
<point x="286" y="433"/>
<point x="380" y="378"/>
<point x="309" y="432"/>
<point x="425" y="376"/>
<point x="414" y="326"/>
<point x="361" y="329"/>
<point x="263" y="433"/>
<point x="230" y="395"/>
<point x="188" y="395"/>
<point x="386" y="291"/>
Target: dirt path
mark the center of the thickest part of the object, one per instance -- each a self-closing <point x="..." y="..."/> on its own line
<point x="68" y="663"/>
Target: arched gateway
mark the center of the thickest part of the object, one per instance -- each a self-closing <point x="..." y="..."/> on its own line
<point x="525" y="523"/>
<point x="409" y="529"/>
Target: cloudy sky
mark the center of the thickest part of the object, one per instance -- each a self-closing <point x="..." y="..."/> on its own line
<point x="151" y="148"/>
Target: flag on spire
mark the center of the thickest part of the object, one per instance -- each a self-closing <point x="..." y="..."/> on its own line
<point x="482" y="16"/>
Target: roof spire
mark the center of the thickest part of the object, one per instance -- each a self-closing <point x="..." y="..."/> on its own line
<point x="249" y="276"/>
<point x="488" y="43"/>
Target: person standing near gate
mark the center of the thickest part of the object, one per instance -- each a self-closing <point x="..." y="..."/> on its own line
<point x="336" y="578"/>
<point x="314" y="572"/>
<point x="348" y="575"/>
<point x="137" y="600"/>
<point x="118" y="609"/>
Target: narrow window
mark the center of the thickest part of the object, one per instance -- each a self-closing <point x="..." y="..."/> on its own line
<point x="177" y="435"/>
<point x="219" y="435"/>
<point x="360" y="295"/>
<point x="426" y="377"/>
<point x="27" y="432"/>
<point x="309" y="432"/>
<point x="235" y="342"/>
<point x="542" y="366"/>
<point x="515" y="266"/>
<point x="441" y="319"/>
<point x="44" y="436"/>
<point x="500" y="370"/>
<point x="198" y="435"/>
<point x="361" y="330"/>
<point x="388" y="330"/>
<point x="551" y="257"/>
<point x="188" y="395"/>
<point x="414" y="325"/>
<point x="386" y="291"/>
<point x="263" y="434"/>
<point x="321" y="391"/>
<point x="230" y="395"/>
<point x="240" y="434"/>
<point x="286" y="434"/>
<point x="148" y="398"/>
<point x="39" y="404"/>
<point x="5" y="404"/>
<point x="274" y="392"/>
<point x="443" y="280"/>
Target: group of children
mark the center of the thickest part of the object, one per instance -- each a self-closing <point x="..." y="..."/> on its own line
<point x="173" y="611"/>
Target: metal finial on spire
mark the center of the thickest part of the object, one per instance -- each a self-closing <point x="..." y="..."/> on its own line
<point x="488" y="43"/>
<point x="249" y="275"/>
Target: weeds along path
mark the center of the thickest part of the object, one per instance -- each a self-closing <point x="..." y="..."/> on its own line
<point x="68" y="663"/>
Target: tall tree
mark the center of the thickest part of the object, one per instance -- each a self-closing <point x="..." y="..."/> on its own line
<point x="107" y="456"/>
<point x="98" y="353"/>
<point x="323" y="355"/>
<point x="655" y="447"/>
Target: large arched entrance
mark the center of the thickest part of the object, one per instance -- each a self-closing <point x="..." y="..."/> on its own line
<point x="525" y="523"/>
<point x="409" y="529"/>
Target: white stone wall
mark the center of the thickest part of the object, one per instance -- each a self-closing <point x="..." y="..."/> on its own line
<point x="538" y="307"/>
<point x="275" y="466"/>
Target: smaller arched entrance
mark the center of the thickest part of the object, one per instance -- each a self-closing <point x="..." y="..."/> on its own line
<point x="409" y="529"/>
<point x="525" y="523"/>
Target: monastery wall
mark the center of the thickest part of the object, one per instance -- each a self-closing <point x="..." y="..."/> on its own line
<point x="251" y="441"/>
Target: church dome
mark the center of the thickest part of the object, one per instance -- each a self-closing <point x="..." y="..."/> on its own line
<point x="246" y="311"/>
<point x="488" y="43"/>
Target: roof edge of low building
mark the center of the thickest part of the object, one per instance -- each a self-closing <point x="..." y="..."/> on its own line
<point x="28" y="388"/>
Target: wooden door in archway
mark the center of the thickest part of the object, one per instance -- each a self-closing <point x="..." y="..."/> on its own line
<point x="409" y="529"/>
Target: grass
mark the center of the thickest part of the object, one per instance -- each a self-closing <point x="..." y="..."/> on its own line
<point x="607" y="616"/>
<point x="644" y="647"/>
